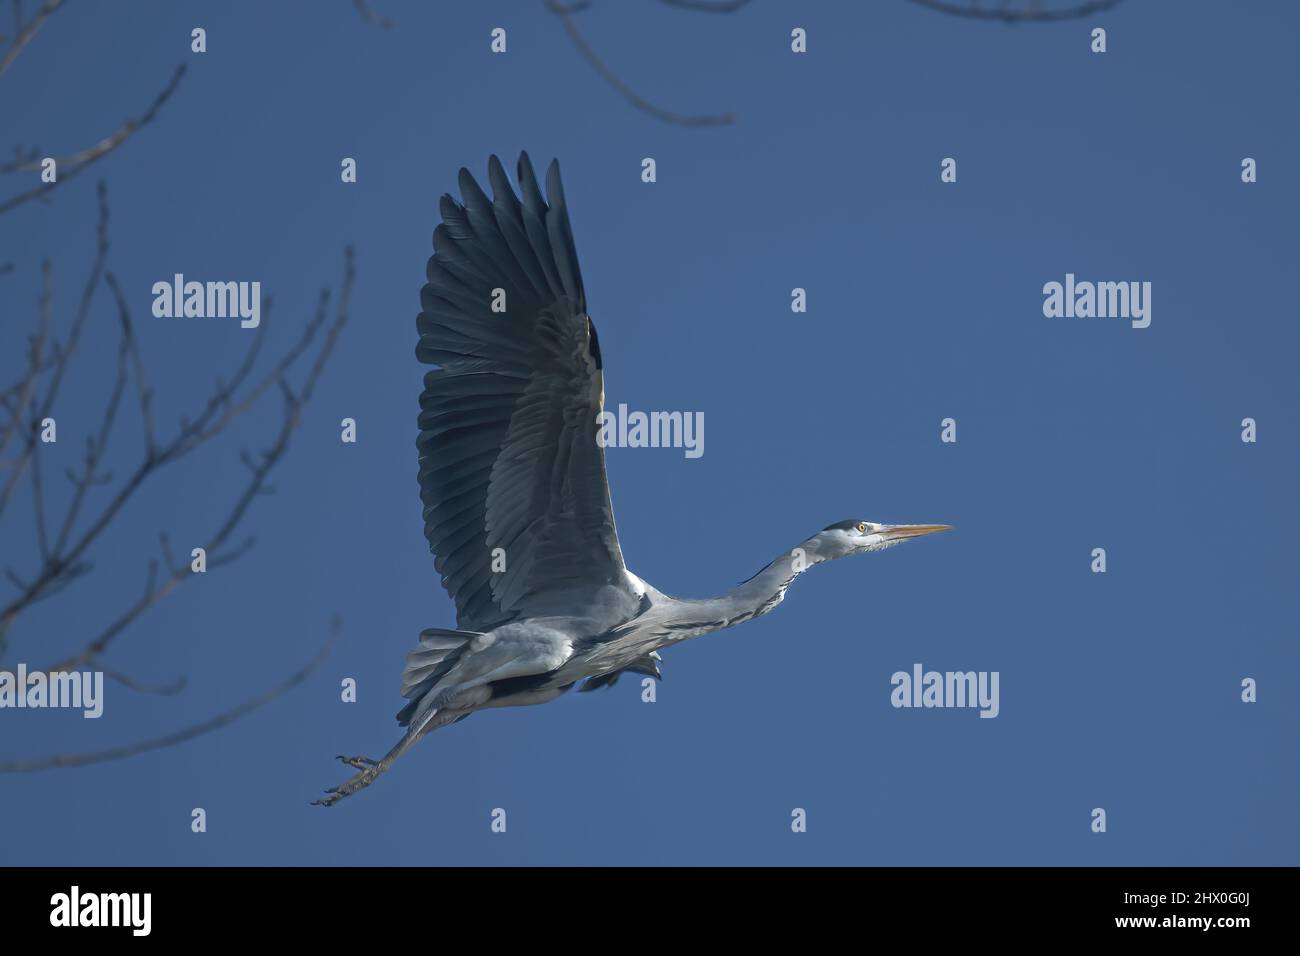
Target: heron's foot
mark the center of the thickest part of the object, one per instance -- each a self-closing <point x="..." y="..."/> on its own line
<point x="358" y="763"/>
<point x="358" y="781"/>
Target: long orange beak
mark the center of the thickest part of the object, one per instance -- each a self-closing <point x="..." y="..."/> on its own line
<point x="899" y="532"/>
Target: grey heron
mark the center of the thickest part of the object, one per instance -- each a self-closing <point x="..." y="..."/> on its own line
<point x="516" y="504"/>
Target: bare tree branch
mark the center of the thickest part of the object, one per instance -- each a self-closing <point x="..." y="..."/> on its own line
<point x="707" y="6"/>
<point x="38" y="505"/>
<point x="25" y="387"/>
<point x="564" y="12"/>
<point x="180" y="572"/>
<point x="160" y="690"/>
<point x="64" y="545"/>
<point x="60" y="359"/>
<point x="25" y="33"/>
<point x="96" y="446"/>
<point x="370" y="16"/>
<point x="1032" y="12"/>
<point x="70" y="166"/>
<point x="64" y="559"/>
<point x="144" y="394"/>
<point x="180" y="736"/>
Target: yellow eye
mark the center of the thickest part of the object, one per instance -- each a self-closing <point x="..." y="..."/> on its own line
<point x="862" y="527"/>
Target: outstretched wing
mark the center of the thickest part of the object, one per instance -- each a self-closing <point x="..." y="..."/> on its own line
<point x="508" y="453"/>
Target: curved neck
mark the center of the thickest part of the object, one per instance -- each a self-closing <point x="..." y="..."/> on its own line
<point x="752" y="598"/>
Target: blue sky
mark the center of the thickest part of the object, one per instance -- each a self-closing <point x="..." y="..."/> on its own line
<point x="1118" y="691"/>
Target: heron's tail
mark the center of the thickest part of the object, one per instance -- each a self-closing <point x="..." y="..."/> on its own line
<point x="438" y="651"/>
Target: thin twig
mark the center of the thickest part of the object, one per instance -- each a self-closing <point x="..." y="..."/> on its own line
<point x="1031" y="14"/>
<point x="636" y="99"/>
<point x="70" y="166"/>
<point x="370" y="16"/>
<point x="126" y="680"/>
<point x="144" y="394"/>
<point x="96" y="446"/>
<point x="707" y="6"/>
<point x="185" y="734"/>
<point x="38" y="506"/>
<point x="26" y="33"/>
<point x="25" y="388"/>
<point x="63" y="353"/>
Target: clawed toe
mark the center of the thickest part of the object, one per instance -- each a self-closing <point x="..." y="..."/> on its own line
<point x="367" y="770"/>
<point x="358" y="763"/>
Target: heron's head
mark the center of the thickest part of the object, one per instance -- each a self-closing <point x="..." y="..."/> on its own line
<point x="858" y="536"/>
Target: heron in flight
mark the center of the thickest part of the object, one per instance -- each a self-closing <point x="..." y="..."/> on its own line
<point x="512" y="475"/>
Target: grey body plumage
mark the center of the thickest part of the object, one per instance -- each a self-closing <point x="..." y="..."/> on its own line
<point x="517" y="509"/>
